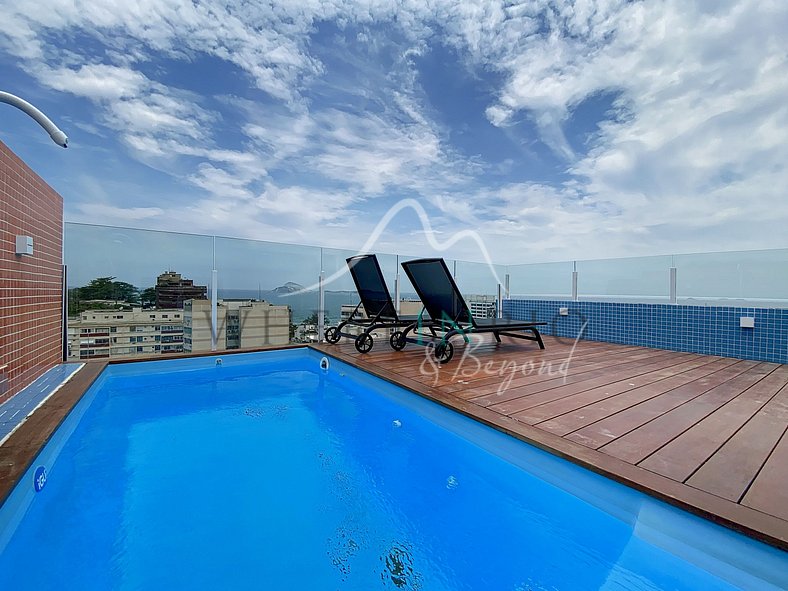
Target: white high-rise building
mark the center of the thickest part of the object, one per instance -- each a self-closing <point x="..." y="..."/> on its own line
<point x="482" y="306"/>
<point x="98" y="334"/>
<point x="241" y="324"/>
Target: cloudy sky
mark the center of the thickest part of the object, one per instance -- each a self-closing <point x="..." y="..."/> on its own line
<point x="556" y="130"/>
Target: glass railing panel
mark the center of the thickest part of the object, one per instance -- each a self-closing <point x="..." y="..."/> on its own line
<point x="478" y="283"/>
<point x="133" y="256"/>
<point x="340" y="291"/>
<point x="277" y="273"/>
<point x="389" y="265"/>
<point x="112" y="300"/>
<point x="479" y="279"/>
<point x="752" y="278"/>
<point x="116" y="269"/>
<point x="541" y="280"/>
<point x="406" y="290"/>
<point x="410" y="305"/>
<point x="637" y="279"/>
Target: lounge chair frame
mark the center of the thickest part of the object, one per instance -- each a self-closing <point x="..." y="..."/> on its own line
<point x="451" y="316"/>
<point x="376" y="299"/>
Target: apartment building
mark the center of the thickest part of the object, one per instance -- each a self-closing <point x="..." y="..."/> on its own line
<point x="172" y="290"/>
<point x="482" y="306"/>
<point x="98" y="334"/>
<point x="305" y="333"/>
<point x="241" y="324"/>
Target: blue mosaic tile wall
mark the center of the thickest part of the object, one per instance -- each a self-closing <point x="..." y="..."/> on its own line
<point x="698" y="329"/>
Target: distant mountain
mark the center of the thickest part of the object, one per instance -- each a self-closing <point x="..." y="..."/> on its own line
<point x="289" y="287"/>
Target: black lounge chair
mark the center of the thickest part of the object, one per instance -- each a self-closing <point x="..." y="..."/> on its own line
<point x="375" y="297"/>
<point x="450" y="314"/>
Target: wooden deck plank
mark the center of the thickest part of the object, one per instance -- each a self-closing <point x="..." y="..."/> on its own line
<point x="486" y="343"/>
<point x="748" y="450"/>
<point x="488" y="393"/>
<point x="574" y="383"/>
<point x="680" y="458"/>
<point x="410" y="361"/>
<point x="582" y="361"/>
<point x="769" y="492"/>
<point x="494" y="352"/>
<point x="603" y="432"/>
<point x="637" y="445"/>
<point x="654" y="385"/>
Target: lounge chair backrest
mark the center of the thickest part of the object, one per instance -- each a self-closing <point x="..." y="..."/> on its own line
<point x="437" y="290"/>
<point x="371" y="286"/>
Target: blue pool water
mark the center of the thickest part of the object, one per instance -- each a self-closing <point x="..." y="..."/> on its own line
<point x="267" y="473"/>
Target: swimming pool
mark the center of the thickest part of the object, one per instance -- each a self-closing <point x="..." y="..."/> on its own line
<point x="268" y="472"/>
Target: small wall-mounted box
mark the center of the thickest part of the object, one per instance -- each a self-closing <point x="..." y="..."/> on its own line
<point x="563" y="311"/>
<point x="747" y="321"/>
<point x="24" y="245"/>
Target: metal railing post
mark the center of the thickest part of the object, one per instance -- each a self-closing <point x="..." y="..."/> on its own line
<point x="499" y="306"/>
<point x="397" y="294"/>
<point x="321" y="307"/>
<point x="65" y="313"/>
<point x="506" y="291"/>
<point x="397" y="297"/>
<point x="214" y="301"/>
<point x="214" y="310"/>
<point x="673" y="293"/>
<point x="574" y="281"/>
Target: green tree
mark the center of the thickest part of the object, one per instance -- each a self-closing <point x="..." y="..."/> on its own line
<point x="100" y="288"/>
<point x="148" y="296"/>
<point x="104" y="289"/>
<point x="125" y="292"/>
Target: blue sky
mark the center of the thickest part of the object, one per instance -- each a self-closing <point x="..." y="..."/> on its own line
<point x="556" y="131"/>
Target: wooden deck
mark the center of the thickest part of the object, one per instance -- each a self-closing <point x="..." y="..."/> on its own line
<point x="705" y="433"/>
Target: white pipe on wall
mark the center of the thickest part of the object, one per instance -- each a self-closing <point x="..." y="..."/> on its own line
<point x="54" y="132"/>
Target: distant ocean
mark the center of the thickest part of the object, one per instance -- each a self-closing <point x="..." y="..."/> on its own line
<point x="304" y="304"/>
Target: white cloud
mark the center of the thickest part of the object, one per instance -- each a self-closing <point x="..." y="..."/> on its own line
<point x="287" y="214"/>
<point x="99" y="82"/>
<point x="692" y="155"/>
<point x="220" y="182"/>
<point x="118" y="215"/>
<point x="266" y="45"/>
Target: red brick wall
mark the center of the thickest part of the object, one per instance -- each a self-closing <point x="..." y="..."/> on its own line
<point x="30" y="286"/>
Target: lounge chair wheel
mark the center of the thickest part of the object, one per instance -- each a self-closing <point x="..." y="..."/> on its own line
<point x="444" y="352"/>
<point x="332" y="335"/>
<point x="397" y="340"/>
<point x="364" y="343"/>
